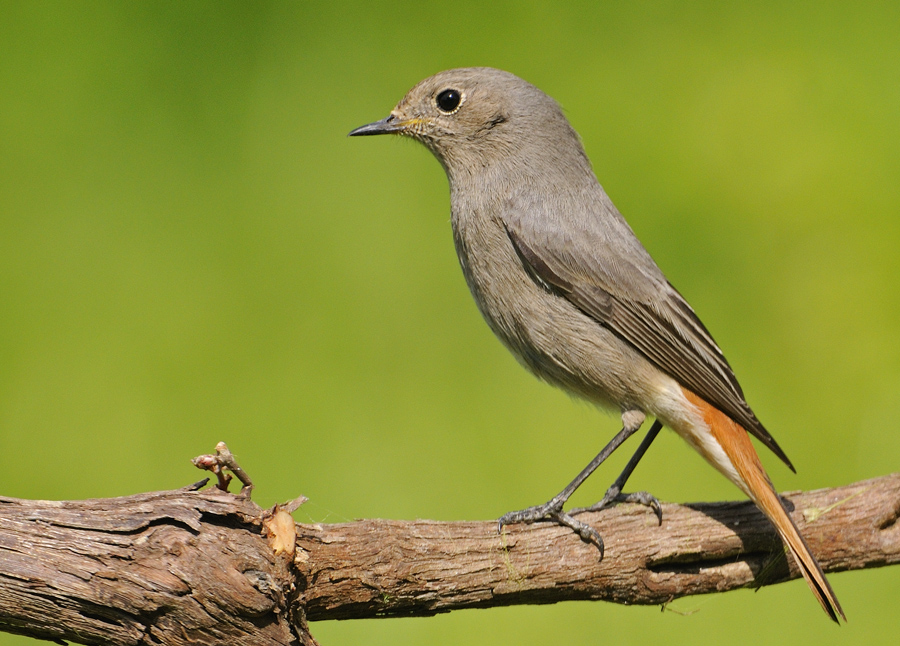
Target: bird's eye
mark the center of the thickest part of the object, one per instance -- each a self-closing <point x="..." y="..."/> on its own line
<point x="448" y="101"/>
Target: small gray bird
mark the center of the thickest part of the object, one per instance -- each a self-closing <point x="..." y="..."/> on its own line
<point x="561" y="279"/>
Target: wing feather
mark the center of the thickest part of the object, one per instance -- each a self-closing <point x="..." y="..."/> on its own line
<point x="663" y="328"/>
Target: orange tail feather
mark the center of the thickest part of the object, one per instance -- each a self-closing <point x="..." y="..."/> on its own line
<point x="735" y="441"/>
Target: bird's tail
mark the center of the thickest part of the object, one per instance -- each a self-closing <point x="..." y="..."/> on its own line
<point x="735" y="441"/>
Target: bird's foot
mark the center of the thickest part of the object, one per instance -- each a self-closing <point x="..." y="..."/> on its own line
<point x="552" y="511"/>
<point x="614" y="495"/>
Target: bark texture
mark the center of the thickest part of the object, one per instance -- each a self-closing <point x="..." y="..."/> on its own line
<point x="172" y="567"/>
<point x="395" y="568"/>
<point x="207" y="567"/>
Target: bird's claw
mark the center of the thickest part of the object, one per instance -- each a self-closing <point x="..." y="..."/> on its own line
<point x="547" y="511"/>
<point x="552" y="512"/>
<point x="614" y="495"/>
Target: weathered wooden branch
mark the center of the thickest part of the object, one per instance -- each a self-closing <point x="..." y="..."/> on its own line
<point x="207" y="567"/>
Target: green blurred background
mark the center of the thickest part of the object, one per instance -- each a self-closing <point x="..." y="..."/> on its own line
<point x="192" y="250"/>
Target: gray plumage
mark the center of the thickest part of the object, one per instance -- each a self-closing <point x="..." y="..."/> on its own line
<point x="554" y="268"/>
<point x="564" y="283"/>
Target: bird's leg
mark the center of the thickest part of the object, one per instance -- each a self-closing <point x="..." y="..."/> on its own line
<point x="614" y="493"/>
<point x="552" y="509"/>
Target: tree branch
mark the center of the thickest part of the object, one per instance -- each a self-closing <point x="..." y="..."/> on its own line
<point x="206" y="567"/>
<point x="389" y="568"/>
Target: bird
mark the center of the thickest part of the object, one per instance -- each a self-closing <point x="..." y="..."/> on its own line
<point x="565" y="284"/>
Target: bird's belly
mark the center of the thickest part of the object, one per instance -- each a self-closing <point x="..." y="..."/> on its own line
<point x="554" y="339"/>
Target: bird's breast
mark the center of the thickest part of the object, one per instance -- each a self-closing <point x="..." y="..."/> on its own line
<point x="547" y="333"/>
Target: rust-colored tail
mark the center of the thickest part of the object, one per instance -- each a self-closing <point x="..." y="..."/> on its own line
<point x="736" y="443"/>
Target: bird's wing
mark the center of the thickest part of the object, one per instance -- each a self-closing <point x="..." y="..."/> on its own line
<point x="610" y="277"/>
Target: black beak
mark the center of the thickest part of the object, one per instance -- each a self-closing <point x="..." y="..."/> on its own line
<point x="386" y="126"/>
